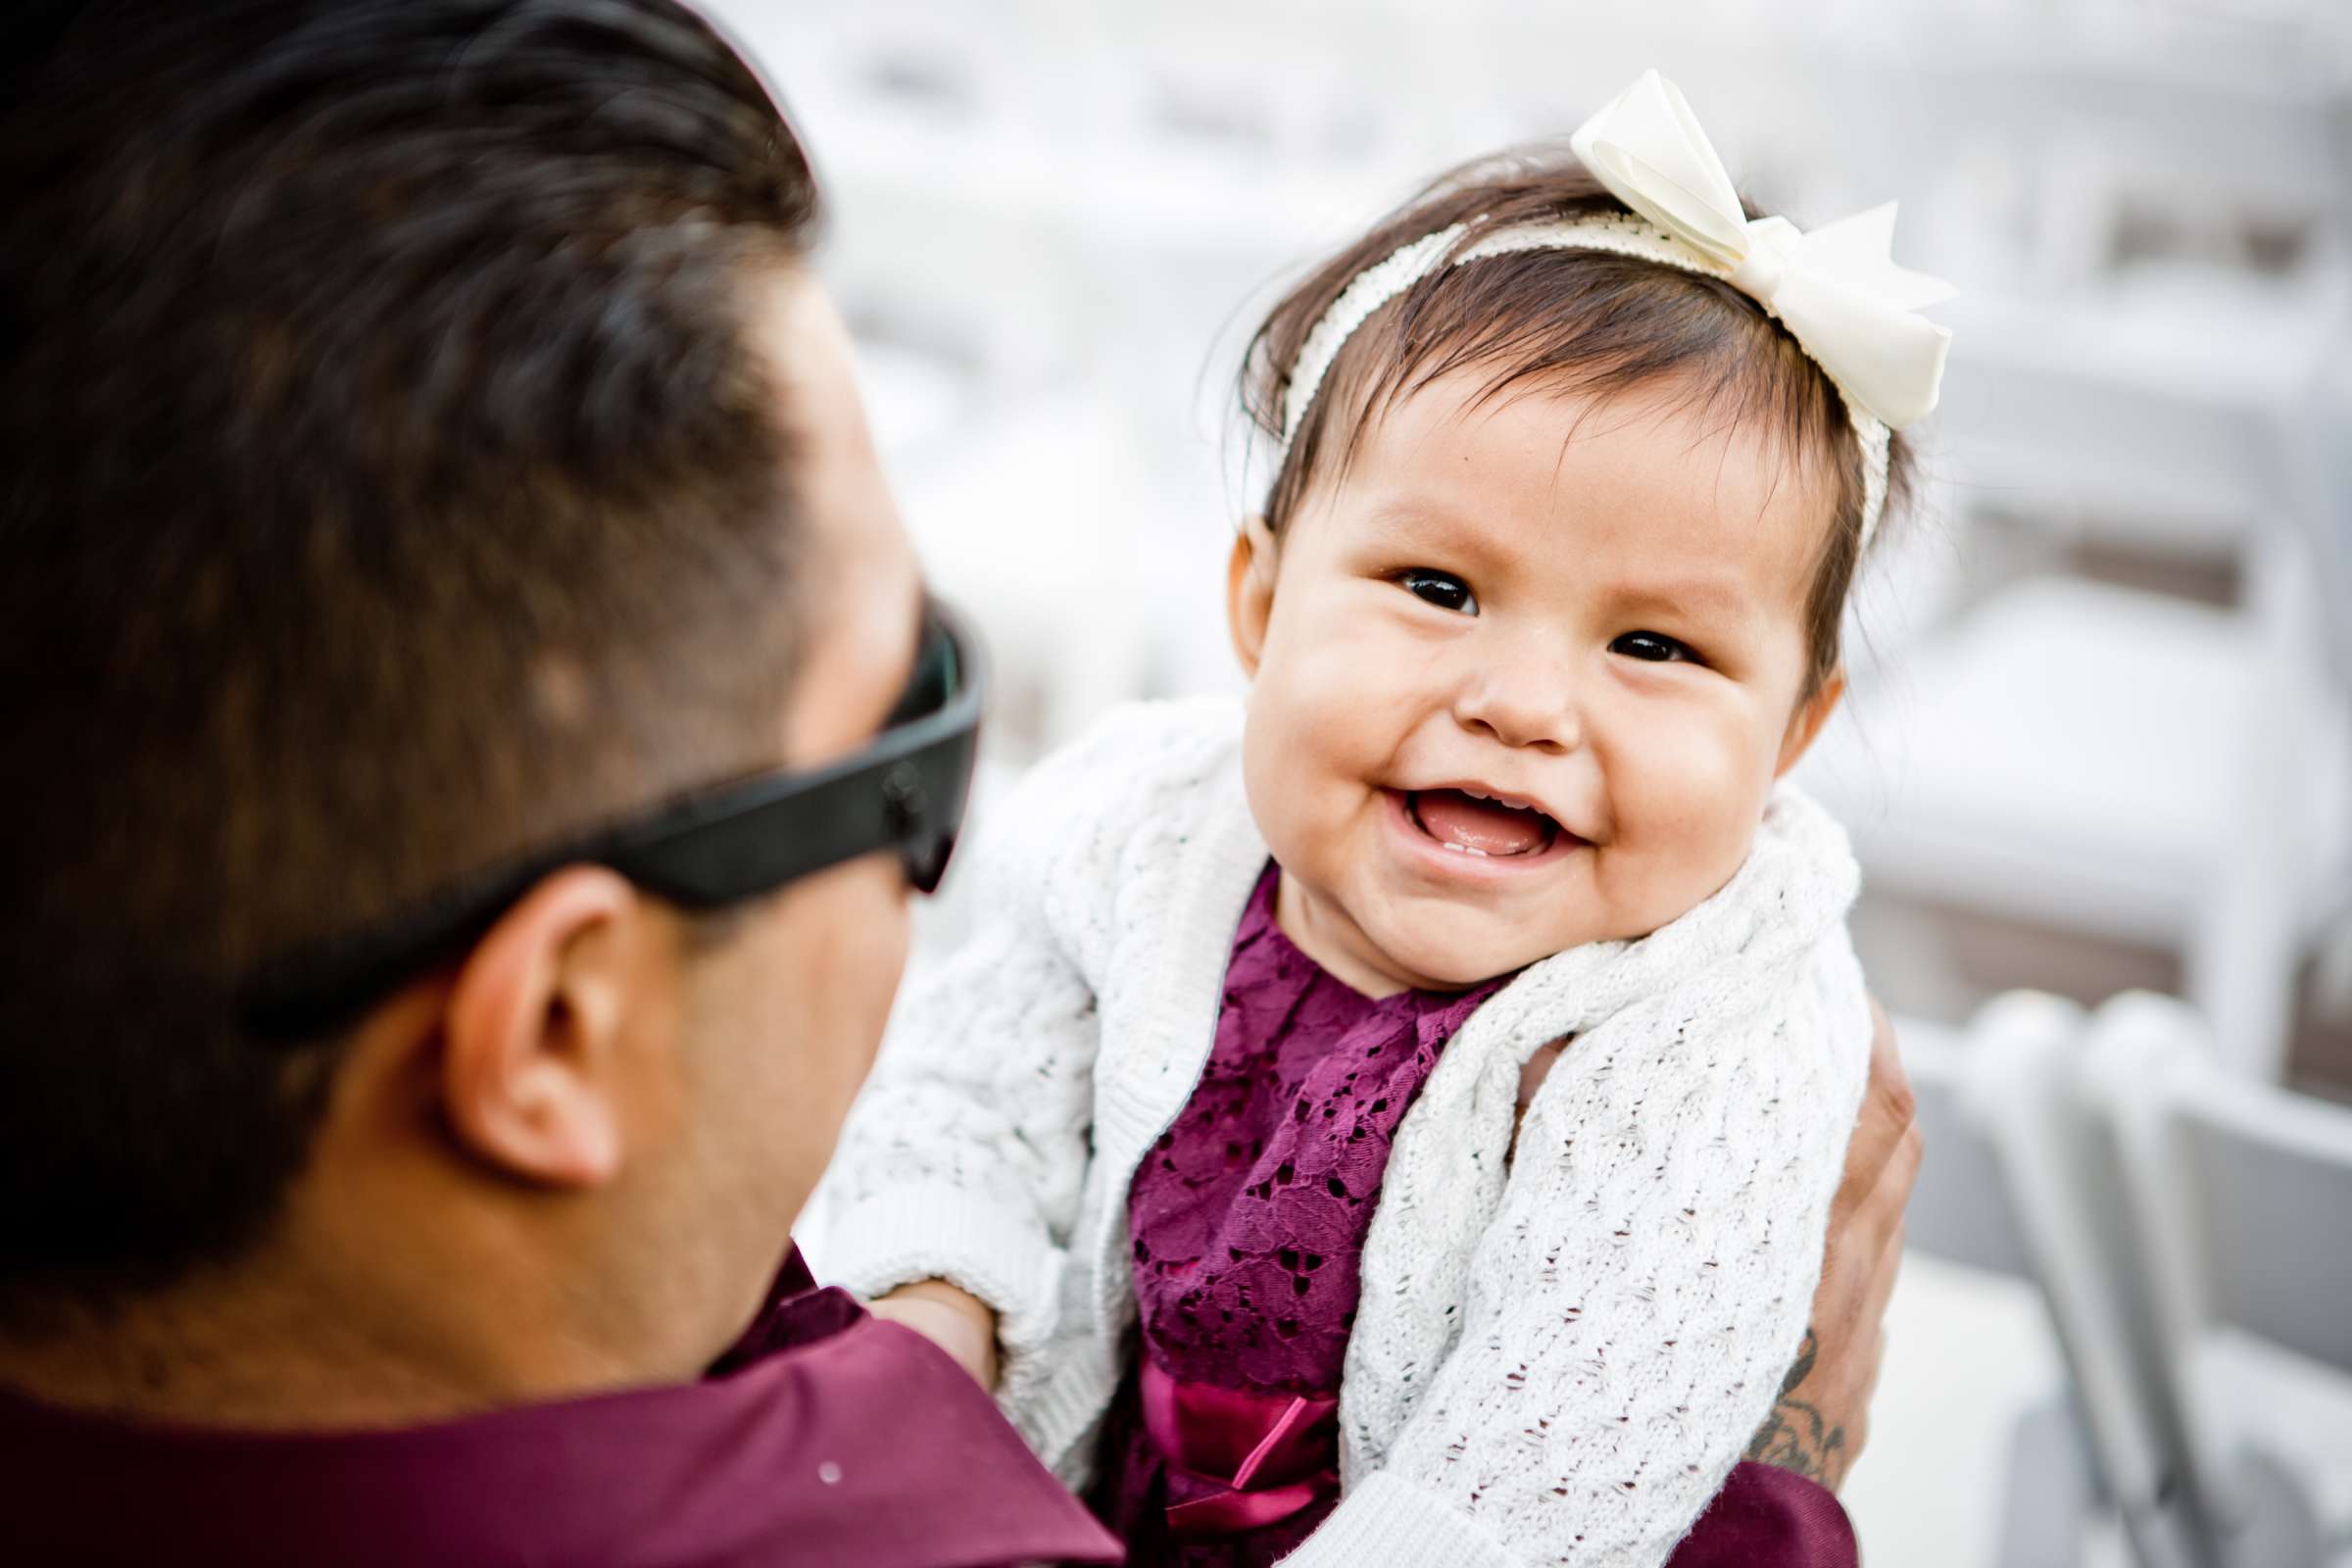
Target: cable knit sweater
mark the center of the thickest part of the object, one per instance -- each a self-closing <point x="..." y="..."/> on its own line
<point x="1566" y="1337"/>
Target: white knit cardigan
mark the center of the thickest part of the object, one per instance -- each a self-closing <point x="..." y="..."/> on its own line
<point x="1566" y="1339"/>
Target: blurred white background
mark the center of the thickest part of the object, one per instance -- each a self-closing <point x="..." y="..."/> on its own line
<point x="2098" y="737"/>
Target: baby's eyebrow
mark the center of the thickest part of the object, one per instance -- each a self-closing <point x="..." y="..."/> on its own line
<point x="1703" y="595"/>
<point x="1426" y="522"/>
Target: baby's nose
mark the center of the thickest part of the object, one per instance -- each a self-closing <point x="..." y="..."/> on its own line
<point x="1522" y="702"/>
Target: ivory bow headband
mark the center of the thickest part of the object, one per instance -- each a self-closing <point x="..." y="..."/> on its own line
<point x="1837" y="289"/>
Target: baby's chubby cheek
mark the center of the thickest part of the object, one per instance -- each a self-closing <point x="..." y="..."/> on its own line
<point x="1317" y="733"/>
<point x="1679" y="834"/>
<point x="1300" y="792"/>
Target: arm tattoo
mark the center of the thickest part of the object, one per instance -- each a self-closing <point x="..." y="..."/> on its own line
<point x="1794" y="1435"/>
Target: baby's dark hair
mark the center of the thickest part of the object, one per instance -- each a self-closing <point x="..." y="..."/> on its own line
<point x="1590" y="322"/>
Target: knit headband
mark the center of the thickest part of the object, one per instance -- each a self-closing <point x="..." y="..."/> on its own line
<point x="1835" y="289"/>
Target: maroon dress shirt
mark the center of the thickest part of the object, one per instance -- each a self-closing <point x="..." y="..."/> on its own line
<point x="826" y="1437"/>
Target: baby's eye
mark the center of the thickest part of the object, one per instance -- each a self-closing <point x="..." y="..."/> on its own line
<point x="1439" y="588"/>
<point x="1655" y="648"/>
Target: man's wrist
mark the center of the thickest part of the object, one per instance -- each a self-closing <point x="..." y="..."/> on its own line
<point x="1799" y="1434"/>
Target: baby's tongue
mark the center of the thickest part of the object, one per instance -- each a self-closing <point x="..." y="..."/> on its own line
<point x="1453" y="817"/>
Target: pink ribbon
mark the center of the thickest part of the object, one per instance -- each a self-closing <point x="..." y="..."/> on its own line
<point x="1269" y="1454"/>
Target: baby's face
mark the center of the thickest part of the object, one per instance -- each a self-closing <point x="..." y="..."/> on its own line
<point x="1590" y="615"/>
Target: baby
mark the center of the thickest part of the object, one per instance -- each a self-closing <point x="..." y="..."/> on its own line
<point x="1216" y="1132"/>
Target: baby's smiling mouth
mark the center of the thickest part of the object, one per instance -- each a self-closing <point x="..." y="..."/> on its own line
<point x="1469" y="822"/>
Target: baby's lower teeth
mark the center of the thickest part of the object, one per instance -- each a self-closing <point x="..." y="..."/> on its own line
<point x="1465" y="848"/>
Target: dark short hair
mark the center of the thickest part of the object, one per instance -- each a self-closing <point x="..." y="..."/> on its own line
<point x="1592" y="322"/>
<point x="388" y="483"/>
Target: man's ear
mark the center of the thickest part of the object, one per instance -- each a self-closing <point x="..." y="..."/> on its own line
<point x="1250" y="591"/>
<point x="532" y="1075"/>
<point x="1805" y="724"/>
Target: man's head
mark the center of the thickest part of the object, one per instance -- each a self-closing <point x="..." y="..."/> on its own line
<point x="423" y="444"/>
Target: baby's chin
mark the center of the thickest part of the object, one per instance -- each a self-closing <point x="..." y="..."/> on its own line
<point x="1456" y="950"/>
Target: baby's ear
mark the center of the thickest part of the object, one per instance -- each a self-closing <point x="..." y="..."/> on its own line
<point x="1250" y="591"/>
<point x="1804" y="725"/>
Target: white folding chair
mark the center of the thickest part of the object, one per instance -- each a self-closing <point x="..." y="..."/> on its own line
<point x="2108" y="760"/>
<point x="2028" y="1184"/>
<point x="2242" y="1194"/>
<point x="2098" y="760"/>
<point x="2052" y="1489"/>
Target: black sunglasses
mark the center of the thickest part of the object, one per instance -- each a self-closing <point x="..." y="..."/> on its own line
<point x="906" y="791"/>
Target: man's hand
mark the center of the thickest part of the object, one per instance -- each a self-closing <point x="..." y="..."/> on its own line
<point x="954" y="1319"/>
<point x="1823" y="1415"/>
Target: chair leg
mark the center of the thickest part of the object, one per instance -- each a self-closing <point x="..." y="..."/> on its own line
<point x="2052" y="1491"/>
<point x="2275" y="1527"/>
<point x="2242" y="975"/>
<point x="2244" y="950"/>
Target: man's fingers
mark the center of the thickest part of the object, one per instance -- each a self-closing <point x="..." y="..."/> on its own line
<point x="1865" y="1243"/>
<point x="1866" y="1223"/>
<point x="1885" y="1123"/>
<point x="1888" y="1061"/>
<point x="1858" y="1277"/>
<point x="1883" y="1269"/>
<point x="1873" y="1220"/>
<point x="1873" y="1318"/>
<point x="1890" y="1090"/>
<point x="1890" y="1194"/>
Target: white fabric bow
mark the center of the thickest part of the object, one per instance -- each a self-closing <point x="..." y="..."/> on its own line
<point x="1837" y="289"/>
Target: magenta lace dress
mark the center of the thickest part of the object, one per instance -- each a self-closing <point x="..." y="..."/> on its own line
<point x="1249" y="1218"/>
